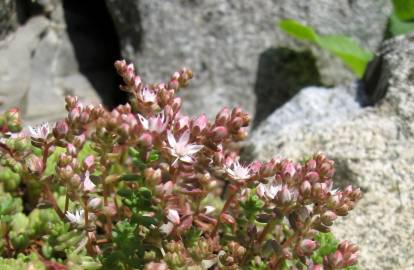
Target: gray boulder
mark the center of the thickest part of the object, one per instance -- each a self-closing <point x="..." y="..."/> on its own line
<point x="223" y="43"/>
<point x="38" y="67"/>
<point x="8" y="17"/>
<point x="373" y="148"/>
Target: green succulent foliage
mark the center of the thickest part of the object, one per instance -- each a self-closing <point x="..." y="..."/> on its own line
<point x="61" y="240"/>
<point x="9" y="206"/>
<point x="257" y="265"/>
<point x="352" y="55"/>
<point x="251" y="207"/>
<point x="22" y="262"/>
<point x="192" y="236"/>
<point x="82" y="262"/>
<point x="404" y="9"/>
<point x="133" y="239"/>
<point x="128" y="248"/>
<point x="9" y="178"/>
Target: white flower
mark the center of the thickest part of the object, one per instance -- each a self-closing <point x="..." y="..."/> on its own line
<point x="268" y="190"/>
<point x="209" y="209"/>
<point x="173" y="219"/>
<point x="94" y="203"/>
<point x="40" y="131"/>
<point x="88" y="185"/>
<point x="154" y="124"/>
<point x="173" y="216"/>
<point x="237" y="171"/>
<point x="147" y="95"/>
<point x="167" y="228"/>
<point x="181" y="149"/>
<point x="77" y="218"/>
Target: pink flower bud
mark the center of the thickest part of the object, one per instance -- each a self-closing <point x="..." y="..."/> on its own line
<point x="61" y="129"/>
<point x="267" y="170"/>
<point x="289" y="169"/>
<point x="64" y="160"/>
<point x="307" y="246"/>
<point x="145" y="140"/>
<point x="137" y="82"/>
<point x="328" y="217"/>
<point x="336" y="259"/>
<point x="236" y="123"/>
<point x="199" y="124"/>
<point x="74" y="115"/>
<point x="78" y="141"/>
<point x="94" y="203"/>
<point x="305" y="188"/>
<point x="284" y="195"/>
<point x="183" y="122"/>
<point x="312" y="177"/>
<point x="35" y="164"/>
<point x="176" y="104"/>
<point x="88" y="185"/>
<point x="168" y="188"/>
<point x="222" y="117"/>
<point x="227" y="219"/>
<point x="75" y="181"/>
<point x="84" y="117"/>
<point x="89" y="162"/>
<point x="174" y="84"/>
<point x="175" y="76"/>
<point x="218" y="134"/>
<point x="71" y="150"/>
<point x="353" y="259"/>
<point x="311" y="165"/>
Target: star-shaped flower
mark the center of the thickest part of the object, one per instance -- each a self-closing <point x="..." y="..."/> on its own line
<point x="182" y="149"/>
<point x="268" y="190"/>
<point x="40" y="132"/>
<point x="147" y="95"/>
<point x="76" y="218"/>
<point x="155" y="124"/>
<point x="237" y="171"/>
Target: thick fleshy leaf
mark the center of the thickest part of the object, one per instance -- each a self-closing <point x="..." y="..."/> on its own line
<point x="404" y="9"/>
<point x="398" y="27"/>
<point x="354" y="57"/>
<point x="298" y="30"/>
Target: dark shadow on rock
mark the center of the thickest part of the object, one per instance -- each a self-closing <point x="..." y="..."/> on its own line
<point x="96" y="43"/>
<point x="373" y="86"/>
<point x="281" y="73"/>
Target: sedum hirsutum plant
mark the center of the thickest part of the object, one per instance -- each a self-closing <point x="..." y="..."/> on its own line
<point x="146" y="187"/>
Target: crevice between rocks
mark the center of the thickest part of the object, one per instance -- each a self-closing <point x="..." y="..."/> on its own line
<point x="96" y="44"/>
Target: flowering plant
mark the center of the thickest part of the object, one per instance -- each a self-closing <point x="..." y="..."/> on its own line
<point x="145" y="187"/>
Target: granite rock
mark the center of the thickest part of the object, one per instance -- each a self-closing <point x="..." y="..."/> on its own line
<point x="373" y="148"/>
<point x="222" y="42"/>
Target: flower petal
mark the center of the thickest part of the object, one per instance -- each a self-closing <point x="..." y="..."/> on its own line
<point x="171" y="140"/>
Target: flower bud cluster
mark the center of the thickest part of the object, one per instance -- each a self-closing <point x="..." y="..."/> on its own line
<point x="152" y="188"/>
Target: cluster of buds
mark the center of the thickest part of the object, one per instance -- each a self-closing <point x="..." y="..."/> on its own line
<point x="344" y="256"/>
<point x="176" y="185"/>
<point x="10" y="121"/>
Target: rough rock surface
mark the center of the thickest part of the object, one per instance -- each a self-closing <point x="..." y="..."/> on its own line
<point x="373" y="148"/>
<point x="222" y="41"/>
<point x="38" y="67"/>
<point x="8" y="17"/>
